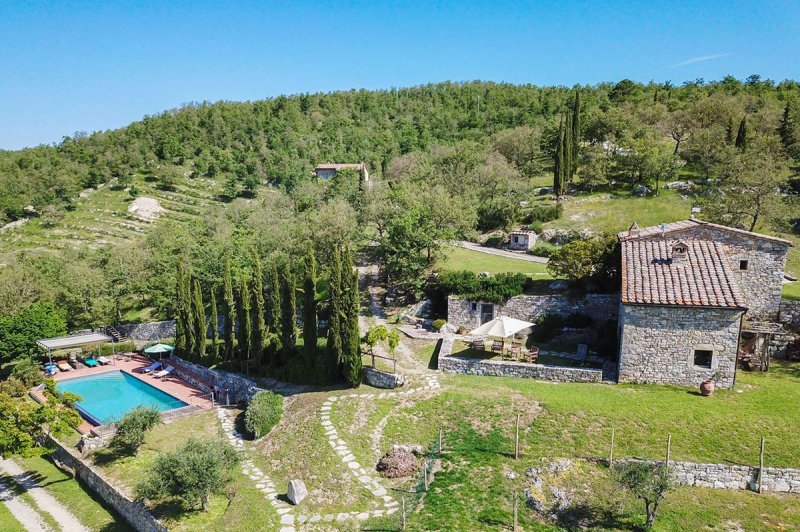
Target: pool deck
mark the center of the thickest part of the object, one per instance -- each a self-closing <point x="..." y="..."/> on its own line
<point x="171" y="384"/>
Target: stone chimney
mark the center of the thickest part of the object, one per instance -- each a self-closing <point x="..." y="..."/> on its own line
<point x="680" y="252"/>
<point x="634" y="229"/>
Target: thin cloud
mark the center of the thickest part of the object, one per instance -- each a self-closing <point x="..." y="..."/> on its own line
<point x="699" y="59"/>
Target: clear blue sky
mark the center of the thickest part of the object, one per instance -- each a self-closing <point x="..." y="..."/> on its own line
<point x="83" y="66"/>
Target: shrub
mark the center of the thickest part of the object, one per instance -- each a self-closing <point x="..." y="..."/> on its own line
<point x="541" y="250"/>
<point x="494" y="241"/>
<point x="577" y="320"/>
<point x="471" y="286"/>
<point x="438" y="324"/>
<point x="191" y="472"/>
<point x="28" y="372"/>
<point x="588" y="260"/>
<point x="124" y="347"/>
<point x="132" y="428"/>
<point x="544" y="213"/>
<point x="263" y="413"/>
<point x="536" y="227"/>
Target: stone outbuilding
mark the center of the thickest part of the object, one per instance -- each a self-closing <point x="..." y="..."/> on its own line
<point x="328" y="170"/>
<point x="522" y="240"/>
<point x="686" y="289"/>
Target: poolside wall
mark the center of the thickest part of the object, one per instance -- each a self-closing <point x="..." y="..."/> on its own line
<point x="133" y="512"/>
<point x="498" y="368"/>
<point x="230" y="387"/>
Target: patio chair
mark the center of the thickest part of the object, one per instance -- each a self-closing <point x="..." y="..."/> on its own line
<point x="516" y="349"/>
<point x="532" y="354"/>
<point x="498" y="346"/>
<point x="50" y="369"/>
<point x="152" y="367"/>
<point x="163" y="373"/>
<point x="103" y="360"/>
<point x="478" y="344"/>
<point x="92" y="363"/>
<point x="63" y="365"/>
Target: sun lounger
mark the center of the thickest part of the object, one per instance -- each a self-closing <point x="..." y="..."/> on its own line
<point x="103" y="360"/>
<point x="163" y="373"/>
<point x="92" y="363"/>
<point x="50" y="369"/>
<point x="152" y="367"/>
<point x="63" y="365"/>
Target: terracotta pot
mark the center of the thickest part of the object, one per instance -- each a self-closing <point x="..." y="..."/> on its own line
<point x="707" y="388"/>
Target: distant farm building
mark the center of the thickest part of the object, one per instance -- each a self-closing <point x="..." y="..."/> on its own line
<point x="522" y="240"/>
<point x="328" y="170"/>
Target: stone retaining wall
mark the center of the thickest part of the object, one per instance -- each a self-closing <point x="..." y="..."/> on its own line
<point x="500" y="368"/>
<point x="133" y="512"/>
<point x="735" y="477"/>
<point x="790" y="314"/>
<point x="228" y="387"/>
<point x="152" y="332"/>
<point x="462" y="312"/>
<point x="382" y="379"/>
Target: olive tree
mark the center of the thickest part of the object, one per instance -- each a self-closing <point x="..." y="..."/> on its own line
<point x="646" y="481"/>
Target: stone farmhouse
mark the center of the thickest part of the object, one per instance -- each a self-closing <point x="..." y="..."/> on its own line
<point x="328" y="170"/>
<point x="689" y="289"/>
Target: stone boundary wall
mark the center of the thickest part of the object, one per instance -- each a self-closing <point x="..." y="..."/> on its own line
<point x="152" y="331"/>
<point x="733" y="477"/>
<point x="227" y="387"/>
<point x="133" y="512"/>
<point x="498" y="368"/>
<point x="790" y="314"/>
<point x="382" y="379"/>
<point x="600" y="307"/>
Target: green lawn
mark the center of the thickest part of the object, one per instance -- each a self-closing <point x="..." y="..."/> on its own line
<point x="87" y="507"/>
<point x="458" y="258"/>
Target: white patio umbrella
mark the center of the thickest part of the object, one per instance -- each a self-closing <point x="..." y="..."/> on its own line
<point x="502" y="327"/>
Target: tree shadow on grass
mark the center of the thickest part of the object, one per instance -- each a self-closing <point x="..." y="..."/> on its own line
<point x="583" y="516"/>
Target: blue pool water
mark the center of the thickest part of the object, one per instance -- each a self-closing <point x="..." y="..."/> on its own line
<point x="108" y="396"/>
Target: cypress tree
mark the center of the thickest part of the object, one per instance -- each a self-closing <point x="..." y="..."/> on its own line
<point x="230" y="309"/>
<point x="259" y="312"/>
<point x="200" y="327"/>
<point x="273" y="313"/>
<point x="568" y="154"/>
<point x="288" y="310"/>
<point x="351" y="339"/>
<point x="741" y="135"/>
<point x="576" y="130"/>
<point x="729" y="131"/>
<point x="180" y="323"/>
<point x="786" y="129"/>
<point x="243" y="314"/>
<point x="559" y="161"/>
<point x="310" y="307"/>
<point x="335" y="320"/>
<point x="188" y="313"/>
<point x="214" y="327"/>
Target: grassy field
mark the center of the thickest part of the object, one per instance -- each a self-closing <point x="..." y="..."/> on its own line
<point x="88" y="508"/>
<point x="458" y="258"/>
<point x="7" y="521"/>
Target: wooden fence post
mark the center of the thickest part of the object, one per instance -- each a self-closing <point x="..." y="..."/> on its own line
<point x="516" y="521"/>
<point x="611" y="452"/>
<point x="440" y="440"/>
<point x="404" y="513"/>
<point x="761" y="465"/>
<point x="425" y="472"/>
<point x="669" y="446"/>
<point x="516" y="440"/>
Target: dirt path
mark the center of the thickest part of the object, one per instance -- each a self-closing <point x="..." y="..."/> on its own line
<point x="22" y="512"/>
<point x="65" y="519"/>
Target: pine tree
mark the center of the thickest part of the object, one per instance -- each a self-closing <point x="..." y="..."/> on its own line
<point x="288" y="311"/>
<point x="568" y="155"/>
<point x="741" y="135"/>
<point x="335" y="320"/>
<point x="259" y="312"/>
<point x="230" y="310"/>
<point x="310" y="307"/>
<point x="351" y="339"/>
<point x="200" y="327"/>
<point x="214" y="326"/>
<point x="245" y="331"/>
<point x="558" y="167"/>
<point x="576" y="131"/>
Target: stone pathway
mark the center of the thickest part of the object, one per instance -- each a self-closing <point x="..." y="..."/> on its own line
<point x="65" y="519"/>
<point x="22" y="511"/>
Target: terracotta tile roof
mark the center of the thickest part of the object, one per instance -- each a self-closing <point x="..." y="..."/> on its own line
<point x="656" y="230"/>
<point x="651" y="275"/>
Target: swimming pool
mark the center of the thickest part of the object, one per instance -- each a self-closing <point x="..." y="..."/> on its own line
<point x="106" y="397"/>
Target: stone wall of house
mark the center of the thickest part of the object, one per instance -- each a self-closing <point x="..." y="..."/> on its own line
<point x="133" y="512"/>
<point x="657" y="344"/>
<point x="383" y="379"/>
<point x="228" y="388"/>
<point x="790" y="314"/>
<point x="761" y="283"/>
<point x="462" y="312"/>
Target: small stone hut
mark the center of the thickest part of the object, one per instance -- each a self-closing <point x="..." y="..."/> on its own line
<point x="522" y="240"/>
<point x="686" y="288"/>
